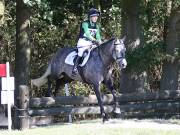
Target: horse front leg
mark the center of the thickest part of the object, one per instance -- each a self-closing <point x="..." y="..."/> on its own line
<point x="109" y="84"/>
<point x="99" y="98"/>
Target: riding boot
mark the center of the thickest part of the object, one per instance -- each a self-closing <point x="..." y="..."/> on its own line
<point x="76" y="63"/>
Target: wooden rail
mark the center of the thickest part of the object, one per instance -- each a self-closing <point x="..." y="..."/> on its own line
<point x="107" y="99"/>
<point x="168" y="106"/>
<point x="163" y="103"/>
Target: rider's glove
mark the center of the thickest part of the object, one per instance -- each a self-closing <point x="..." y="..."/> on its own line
<point x="93" y="46"/>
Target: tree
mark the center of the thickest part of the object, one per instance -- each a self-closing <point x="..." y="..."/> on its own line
<point x="171" y="68"/>
<point x="131" y="82"/>
<point x="22" y="56"/>
<point x="2" y="9"/>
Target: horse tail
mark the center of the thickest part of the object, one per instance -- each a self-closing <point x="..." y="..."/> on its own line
<point x="43" y="79"/>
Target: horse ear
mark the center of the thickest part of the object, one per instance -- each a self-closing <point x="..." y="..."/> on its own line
<point x="124" y="38"/>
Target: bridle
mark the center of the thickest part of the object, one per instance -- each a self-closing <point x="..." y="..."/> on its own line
<point x="119" y="44"/>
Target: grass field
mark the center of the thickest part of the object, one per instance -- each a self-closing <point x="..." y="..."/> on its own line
<point x="96" y="127"/>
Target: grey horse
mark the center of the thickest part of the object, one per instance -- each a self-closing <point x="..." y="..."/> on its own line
<point x="97" y="70"/>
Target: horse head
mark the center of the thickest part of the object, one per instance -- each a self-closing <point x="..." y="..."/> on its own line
<point x="119" y="52"/>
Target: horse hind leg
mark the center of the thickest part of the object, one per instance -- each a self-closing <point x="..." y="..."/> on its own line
<point x="60" y="83"/>
<point x="57" y="87"/>
<point x="49" y="92"/>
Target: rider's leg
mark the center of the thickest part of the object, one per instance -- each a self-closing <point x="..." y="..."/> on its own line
<point x="82" y="45"/>
<point x="76" y="63"/>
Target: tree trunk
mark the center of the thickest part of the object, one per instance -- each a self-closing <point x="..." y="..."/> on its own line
<point x="131" y="82"/>
<point x="168" y="12"/>
<point x="22" y="56"/>
<point x="171" y="69"/>
<point x="97" y="4"/>
<point x="2" y="9"/>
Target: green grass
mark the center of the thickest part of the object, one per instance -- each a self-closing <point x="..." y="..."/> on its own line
<point x="91" y="128"/>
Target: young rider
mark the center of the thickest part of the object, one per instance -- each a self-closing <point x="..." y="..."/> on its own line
<point x="89" y="34"/>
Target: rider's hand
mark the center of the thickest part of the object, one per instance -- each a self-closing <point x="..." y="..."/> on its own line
<point x="93" y="46"/>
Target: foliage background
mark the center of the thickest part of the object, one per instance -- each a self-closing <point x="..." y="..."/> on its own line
<point x="55" y="24"/>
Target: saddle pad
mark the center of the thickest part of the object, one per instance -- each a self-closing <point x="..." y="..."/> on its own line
<point x="72" y="55"/>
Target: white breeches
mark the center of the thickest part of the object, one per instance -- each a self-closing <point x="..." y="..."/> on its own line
<point x="83" y="45"/>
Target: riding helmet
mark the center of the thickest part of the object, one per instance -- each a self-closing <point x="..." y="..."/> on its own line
<point x="93" y="12"/>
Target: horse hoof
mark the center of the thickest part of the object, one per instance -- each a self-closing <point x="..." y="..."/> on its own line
<point x="49" y="95"/>
<point x="105" y="118"/>
<point x="117" y="110"/>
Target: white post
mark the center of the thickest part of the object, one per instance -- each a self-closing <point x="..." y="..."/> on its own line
<point x="8" y="96"/>
<point x="67" y="94"/>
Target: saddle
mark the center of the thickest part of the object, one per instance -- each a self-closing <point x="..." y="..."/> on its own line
<point x="72" y="55"/>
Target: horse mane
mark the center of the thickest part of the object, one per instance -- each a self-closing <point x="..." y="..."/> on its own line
<point x="108" y="40"/>
<point x="102" y="46"/>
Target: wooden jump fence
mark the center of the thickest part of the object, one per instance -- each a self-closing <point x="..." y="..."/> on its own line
<point x="36" y="111"/>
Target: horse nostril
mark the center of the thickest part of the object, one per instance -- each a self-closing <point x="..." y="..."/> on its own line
<point x="123" y="65"/>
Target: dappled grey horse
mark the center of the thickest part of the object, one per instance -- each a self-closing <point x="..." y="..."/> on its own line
<point x="97" y="70"/>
